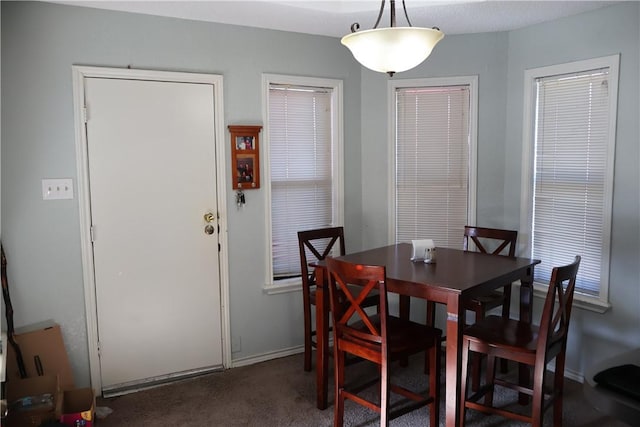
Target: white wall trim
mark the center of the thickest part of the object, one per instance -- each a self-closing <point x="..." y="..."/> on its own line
<point x="79" y="74"/>
<point x="338" y="159"/>
<point x="601" y="302"/>
<point x="283" y="286"/>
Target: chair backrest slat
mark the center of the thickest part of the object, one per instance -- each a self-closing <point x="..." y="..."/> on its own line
<point x="482" y="237"/>
<point x="349" y="285"/>
<point x="319" y="243"/>
<point x="556" y="313"/>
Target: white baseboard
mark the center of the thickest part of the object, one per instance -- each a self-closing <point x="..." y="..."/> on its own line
<point x="568" y="373"/>
<point x="251" y="360"/>
<point x="573" y="375"/>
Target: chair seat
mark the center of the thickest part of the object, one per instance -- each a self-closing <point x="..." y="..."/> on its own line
<point x="498" y="331"/>
<point x="404" y="335"/>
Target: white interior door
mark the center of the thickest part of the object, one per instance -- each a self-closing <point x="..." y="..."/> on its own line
<point x="152" y="178"/>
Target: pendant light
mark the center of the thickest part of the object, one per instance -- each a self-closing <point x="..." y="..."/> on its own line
<point x="393" y="49"/>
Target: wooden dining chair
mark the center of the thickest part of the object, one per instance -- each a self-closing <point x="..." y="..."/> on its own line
<point x="316" y="245"/>
<point x="379" y="338"/>
<point x="492" y="241"/>
<point x="525" y="343"/>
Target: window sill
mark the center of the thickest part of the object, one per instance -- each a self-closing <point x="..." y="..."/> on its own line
<point x="283" y="287"/>
<point x="579" y="300"/>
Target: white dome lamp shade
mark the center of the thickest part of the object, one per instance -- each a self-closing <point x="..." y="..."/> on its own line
<point x="393" y="49"/>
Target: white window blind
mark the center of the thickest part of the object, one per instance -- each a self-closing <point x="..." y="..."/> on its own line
<point x="570" y="173"/>
<point x="300" y="146"/>
<point x="432" y="163"/>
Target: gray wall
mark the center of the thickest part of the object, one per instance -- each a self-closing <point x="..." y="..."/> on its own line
<point x="609" y="31"/>
<point x="484" y="55"/>
<point x="40" y="42"/>
<point x="500" y="59"/>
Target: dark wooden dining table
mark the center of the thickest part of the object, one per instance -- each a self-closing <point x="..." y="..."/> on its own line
<point x="455" y="276"/>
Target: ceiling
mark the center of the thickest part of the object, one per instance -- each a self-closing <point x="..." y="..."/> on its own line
<point x="334" y="17"/>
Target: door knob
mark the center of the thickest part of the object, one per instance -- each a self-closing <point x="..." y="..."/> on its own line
<point x="209" y="217"/>
<point x="209" y="229"/>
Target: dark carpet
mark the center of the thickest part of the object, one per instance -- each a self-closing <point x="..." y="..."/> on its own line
<point x="279" y="393"/>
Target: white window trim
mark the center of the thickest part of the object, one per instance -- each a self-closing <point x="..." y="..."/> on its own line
<point x="601" y="303"/>
<point x="295" y="284"/>
<point x="393" y="85"/>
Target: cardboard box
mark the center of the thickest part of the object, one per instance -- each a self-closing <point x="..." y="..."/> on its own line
<point x="32" y="401"/>
<point x="42" y="346"/>
<point x="78" y="407"/>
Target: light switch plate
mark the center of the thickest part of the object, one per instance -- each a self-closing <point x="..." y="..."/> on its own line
<point x="57" y="189"/>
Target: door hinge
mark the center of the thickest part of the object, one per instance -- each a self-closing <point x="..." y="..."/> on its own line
<point x="85" y="114"/>
<point x="92" y="233"/>
<point x="98" y="348"/>
<point x="219" y="247"/>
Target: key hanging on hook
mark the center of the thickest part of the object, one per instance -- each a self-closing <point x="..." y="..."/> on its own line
<point x="240" y="200"/>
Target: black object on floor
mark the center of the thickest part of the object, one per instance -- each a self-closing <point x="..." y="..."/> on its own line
<point x="624" y="379"/>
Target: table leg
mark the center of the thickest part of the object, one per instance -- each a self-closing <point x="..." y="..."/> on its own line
<point x="526" y="296"/>
<point x="322" y="340"/>
<point x="526" y="315"/>
<point x="404" y="307"/>
<point x="455" y="318"/>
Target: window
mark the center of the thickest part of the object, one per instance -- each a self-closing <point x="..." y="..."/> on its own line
<point x="433" y="179"/>
<point x="569" y="134"/>
<point x="304" y="167"/>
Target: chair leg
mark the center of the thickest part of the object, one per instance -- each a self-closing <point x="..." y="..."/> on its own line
<point x="506" y="308"/>
<point x="430" y="321"/>
<point x="434" y="385"/>
<point x="476" y="358"/>
<point x="431" y="313"/>
<point x="490" y="378"/>
<point x="558" y="387"/>
<point x="538" y="397"/>
<point x="384" y="395"/>
<point x="464" y="372"/>
<point x="504" y="366"/>
<point x="427" y="363"/>
<point x="307" y="342"/>
<point x="404" y="307"/>
<point x="379" y="391"/>
<point x="338" y="410"/>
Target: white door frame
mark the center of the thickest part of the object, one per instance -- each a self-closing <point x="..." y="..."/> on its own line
<point x="79" y="74"/>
